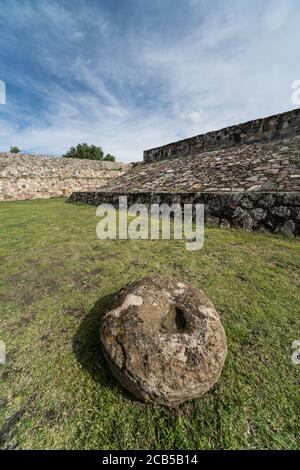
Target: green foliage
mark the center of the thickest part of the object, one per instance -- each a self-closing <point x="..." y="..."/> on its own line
<point x="109" y="158"/>
<point x="85" y="152"/>
<point x="88" y="152"/>
<point x="14" y="149"/>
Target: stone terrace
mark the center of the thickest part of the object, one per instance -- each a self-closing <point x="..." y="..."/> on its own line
<point x="246" y="176"/>
<point x="265" y="166"/>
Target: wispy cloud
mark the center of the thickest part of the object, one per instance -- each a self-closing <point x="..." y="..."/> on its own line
<point x="136" y="77"/>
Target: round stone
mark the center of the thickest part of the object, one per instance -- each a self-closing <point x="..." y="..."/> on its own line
<point x="163" y="340"/>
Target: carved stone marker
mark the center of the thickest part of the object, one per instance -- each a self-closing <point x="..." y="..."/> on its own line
<point x="163" y="340"/>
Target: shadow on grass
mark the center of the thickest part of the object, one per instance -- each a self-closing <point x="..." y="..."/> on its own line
<point x="86" y="343"/>
<point x="87" y="349"/>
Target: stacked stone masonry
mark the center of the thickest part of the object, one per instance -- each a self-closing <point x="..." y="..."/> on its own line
<point x="270" y="128"/>
<point x="246" y="176"/>
<point x="37" y="176"/>
<point x="264" y="211"/>
<point x="265" y="166"/>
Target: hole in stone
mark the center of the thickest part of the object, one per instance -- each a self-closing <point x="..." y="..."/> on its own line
<point x="174" y="321"/>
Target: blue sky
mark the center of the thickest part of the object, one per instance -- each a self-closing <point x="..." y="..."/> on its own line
<point x="134" y="74"/>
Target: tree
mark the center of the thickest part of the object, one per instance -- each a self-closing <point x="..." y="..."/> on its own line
<point x="109" y="158"/>
<point x="14" y="149"/>
<point x="85" y="151"/>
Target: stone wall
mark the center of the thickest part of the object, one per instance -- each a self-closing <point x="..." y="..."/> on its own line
<point x="263" y="166"/>
<point x="264" y="211"/>
<point x="246" y="176"/>
<point x="270" y="128"/>
<point x="36" y="176"/>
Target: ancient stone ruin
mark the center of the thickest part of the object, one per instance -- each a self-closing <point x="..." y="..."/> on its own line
<point x="163" y="340"/>
<point x="271" y="128"/>
<point x="38" y="176"/>
<point x="247" y="176"/>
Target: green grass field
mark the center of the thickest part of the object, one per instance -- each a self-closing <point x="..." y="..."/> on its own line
<point x="57" y="280"/>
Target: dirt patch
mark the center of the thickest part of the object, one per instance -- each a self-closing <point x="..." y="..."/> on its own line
<point x="12" y="372"/>
<point x="3" y="403"/>
<point x="81" y="282"/>
<point x="38" y="289"/>
<point x="28" y="287"/>
<point x="50" y="415"/>
<point x="12" y="421"/>
<point x="45" y="286"/>
<point x="33" y="262"/>
<point x="137" y="264"/>
<point x="77" y="312"/>
<point x="96" y="271"/>
<point x="9" y="424"/>
<point x="22" y="322"/>
<point x="45" y="342"/>
<point x="53" y="415"/>
<point x="16" y="279"/>
<point x="180" y="270"/>
<point x="102" y="255"/>
<point x="28" y="298"/>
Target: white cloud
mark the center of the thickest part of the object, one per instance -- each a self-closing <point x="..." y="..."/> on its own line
<point x="135" y="89"/>
<point x="277" y="15"/>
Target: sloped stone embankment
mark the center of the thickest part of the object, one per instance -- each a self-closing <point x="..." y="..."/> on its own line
<point x="267" y="166"/>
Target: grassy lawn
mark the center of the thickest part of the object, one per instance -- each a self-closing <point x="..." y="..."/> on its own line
<point x="56" y="281"/>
